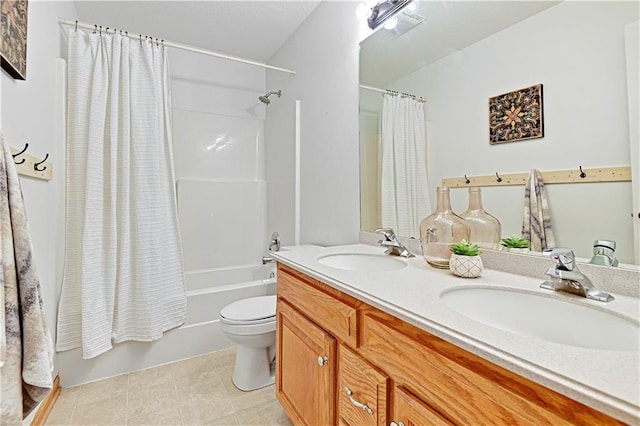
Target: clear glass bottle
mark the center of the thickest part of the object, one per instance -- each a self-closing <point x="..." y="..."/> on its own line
<point x="440" y="230"/>
<point x="485" y="228"/>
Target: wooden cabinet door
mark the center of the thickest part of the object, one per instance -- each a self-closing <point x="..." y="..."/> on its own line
<point x="305" y="368"/>
<point x="362" y="391"/>
<point x="410" y="411"/>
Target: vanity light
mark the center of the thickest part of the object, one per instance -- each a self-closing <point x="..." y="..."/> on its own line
<point x="385" y="10"/>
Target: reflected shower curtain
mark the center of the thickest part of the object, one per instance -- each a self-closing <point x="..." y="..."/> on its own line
<point x="123" y="277"/>
<point x="403" y="183"/>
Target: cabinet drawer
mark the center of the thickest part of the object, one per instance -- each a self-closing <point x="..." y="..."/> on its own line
<point x="362" y="391"/>
<point x="408" y="410"/>
<point x="335" y="316"/>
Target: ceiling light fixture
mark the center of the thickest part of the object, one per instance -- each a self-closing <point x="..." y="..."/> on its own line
<point x="384" y="10"/>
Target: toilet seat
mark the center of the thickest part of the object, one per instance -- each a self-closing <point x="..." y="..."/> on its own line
<point x="254" y="310"/>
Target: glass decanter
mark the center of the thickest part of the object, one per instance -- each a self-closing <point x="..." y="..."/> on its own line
<point x="440" y="230"/>
<point x="485" y="228"/>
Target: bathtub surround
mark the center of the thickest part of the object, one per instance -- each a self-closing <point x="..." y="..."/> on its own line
<point x="123" y="266"/>
<point x="26" y="350"/>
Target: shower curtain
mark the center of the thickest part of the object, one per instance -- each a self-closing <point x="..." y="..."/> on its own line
<point x="123" y="276"/>
<point x="403" y="183"/>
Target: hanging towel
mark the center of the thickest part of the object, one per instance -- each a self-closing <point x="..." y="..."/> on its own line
<point x="25" y="342"/>
<point x="536" y="226"/>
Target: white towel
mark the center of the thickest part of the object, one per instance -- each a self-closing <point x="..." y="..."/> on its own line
<point x="25" y="342"/>
<point x="536" y="225"/>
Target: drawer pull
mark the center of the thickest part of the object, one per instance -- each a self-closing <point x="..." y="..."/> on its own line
<point x="356" y="403"/>
<point x="322" y="360"/>
<point x="396" y="424"/>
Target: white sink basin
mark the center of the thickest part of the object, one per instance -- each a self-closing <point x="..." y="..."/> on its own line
<point x="363" y="262"/>
<point x="545" y="318"/>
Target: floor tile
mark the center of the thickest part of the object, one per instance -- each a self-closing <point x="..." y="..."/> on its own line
<point x="109" y="411"/>
<point x="224" y="358"/>
<point x="202" y="409"/>
<point x="103" y="389"/>
<point x="166" y="416"/>
<point x="203" y="384"/>
<point x="151" y="377"/>
<point x="143" y="401"/>
<point x="190" y="366"/>
<point x="266" y="414"/>
<point x="195" y="391"/>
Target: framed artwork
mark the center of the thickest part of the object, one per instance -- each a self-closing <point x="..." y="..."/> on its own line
<point x="13" y="37"/>
<point x="516" y="116"/>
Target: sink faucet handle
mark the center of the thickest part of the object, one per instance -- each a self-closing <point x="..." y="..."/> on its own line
<point x="564" y="258"/>
<point x="388" y="233"/>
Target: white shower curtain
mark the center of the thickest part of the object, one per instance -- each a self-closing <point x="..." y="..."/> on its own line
<point x="404" y="191"/>
<point x="123" y="276"/>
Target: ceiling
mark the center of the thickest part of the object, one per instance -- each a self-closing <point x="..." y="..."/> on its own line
<point x="248" y="29"/>
<point x="448" y="26"/>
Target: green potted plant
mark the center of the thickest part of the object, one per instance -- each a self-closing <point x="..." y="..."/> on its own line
<point x="515" y="244"/>
<point x="465" y="260"/>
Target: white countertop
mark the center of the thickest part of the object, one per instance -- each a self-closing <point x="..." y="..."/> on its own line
<point x="608" y="381"/>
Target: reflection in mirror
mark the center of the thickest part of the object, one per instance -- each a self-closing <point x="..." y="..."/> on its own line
<point x="457" y="55"/>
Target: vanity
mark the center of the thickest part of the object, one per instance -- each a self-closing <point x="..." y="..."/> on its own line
<point x="362" y="339"/>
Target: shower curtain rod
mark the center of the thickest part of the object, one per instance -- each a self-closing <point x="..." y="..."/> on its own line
<point x="176" y="45"/>
<point x="393" y="92"/>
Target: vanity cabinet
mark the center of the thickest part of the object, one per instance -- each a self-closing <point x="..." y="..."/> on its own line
<point x="396" y="373"/>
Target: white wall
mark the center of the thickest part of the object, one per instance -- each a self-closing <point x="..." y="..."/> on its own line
<point x="31" y="112"/>
<point x="576" y="50"/>
<point x="324" y="53"/>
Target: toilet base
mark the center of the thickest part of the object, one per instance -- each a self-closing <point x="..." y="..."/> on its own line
<point x="254" y="368"/>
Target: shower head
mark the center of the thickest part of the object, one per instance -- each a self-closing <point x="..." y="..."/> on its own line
<point x="265" y="98"/>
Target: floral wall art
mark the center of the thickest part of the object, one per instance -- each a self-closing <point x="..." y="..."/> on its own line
<point x="13" y="37"/>
<point x="516" y="116"/>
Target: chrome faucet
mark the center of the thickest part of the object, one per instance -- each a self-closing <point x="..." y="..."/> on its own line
<point x="274" y="245"/>
<point x="392" y="245"/>
<point x="604" y="252"/>
<point x="567" y="277"/>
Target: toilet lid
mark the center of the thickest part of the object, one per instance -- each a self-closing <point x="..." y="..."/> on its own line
<point x="251" y="309"/>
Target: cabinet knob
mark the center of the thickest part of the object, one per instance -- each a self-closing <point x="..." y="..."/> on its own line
<point x="356" y="403"/>
<point x="322" y="360"/>
<point x="396" y="424"/>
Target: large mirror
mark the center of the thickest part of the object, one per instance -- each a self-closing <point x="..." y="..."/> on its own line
<point x="458" y="54"/>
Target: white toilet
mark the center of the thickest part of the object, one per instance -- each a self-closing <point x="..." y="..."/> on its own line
<point x="251" y="323"/>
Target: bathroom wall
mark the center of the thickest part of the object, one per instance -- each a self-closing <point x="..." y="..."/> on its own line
<point x="324" y="53"/>
<point x="32" y="112"/>
<point x="581" y="64"/>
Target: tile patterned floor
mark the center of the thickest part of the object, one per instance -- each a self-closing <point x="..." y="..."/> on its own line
<point x="195" y="391"/>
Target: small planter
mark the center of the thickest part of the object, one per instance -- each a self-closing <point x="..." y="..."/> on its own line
<point x="516" y="249"/>
<point x="466" y="266"/>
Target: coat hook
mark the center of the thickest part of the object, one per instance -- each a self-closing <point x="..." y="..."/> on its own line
<point x="35" y="165"/>
<point x="76" y="25"/>
<point x="582" y="173"/>
<point x="95" y="28"/>
<point x="26" y="145"/>
<point x="466" y="179"/>
<point x="498" y="178"/>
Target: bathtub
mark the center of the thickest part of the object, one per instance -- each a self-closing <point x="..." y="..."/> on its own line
<point x="208" y="291"/>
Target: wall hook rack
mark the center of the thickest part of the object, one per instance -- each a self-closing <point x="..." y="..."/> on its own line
<point x="32" y="166"/>
<point x="582" y="173"/>
<point x="601" y="174"/>
<point x="17" y="154"/>
<point x="36" y="166"/>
